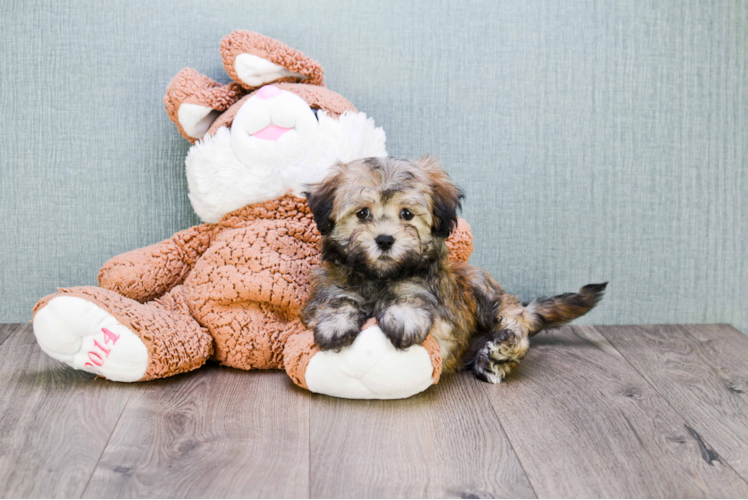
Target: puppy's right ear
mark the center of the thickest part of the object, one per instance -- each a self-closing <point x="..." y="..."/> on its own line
<point x="321" y="200"/>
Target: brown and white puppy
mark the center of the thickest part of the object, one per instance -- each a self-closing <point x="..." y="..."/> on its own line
<point x="384" y="223"/>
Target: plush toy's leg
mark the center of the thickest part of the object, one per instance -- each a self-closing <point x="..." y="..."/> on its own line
<point x="102" y="332"/>
<point x="371" y="368"/>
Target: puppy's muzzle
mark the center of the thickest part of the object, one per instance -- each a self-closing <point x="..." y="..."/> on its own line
<point x="384" y="242"/>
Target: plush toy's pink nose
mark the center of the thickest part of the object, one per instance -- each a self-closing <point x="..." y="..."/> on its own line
<point x="268" y="92"/>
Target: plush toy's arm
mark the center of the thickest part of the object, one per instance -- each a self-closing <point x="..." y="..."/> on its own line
<point x="280" y="258"/>
<point x="371" y="368"/>
<point x="147" y="273"/>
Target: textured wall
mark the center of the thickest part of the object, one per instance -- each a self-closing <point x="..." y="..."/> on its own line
<point x="596" y="140"/>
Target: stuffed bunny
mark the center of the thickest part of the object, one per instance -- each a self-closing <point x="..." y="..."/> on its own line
<point x="231" y="290"/>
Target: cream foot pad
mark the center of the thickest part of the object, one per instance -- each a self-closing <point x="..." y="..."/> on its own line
<point x="82" y="335"/>
<point x="371" y="368"/>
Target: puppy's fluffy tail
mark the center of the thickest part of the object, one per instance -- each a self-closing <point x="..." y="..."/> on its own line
<point x="561" y="309"/>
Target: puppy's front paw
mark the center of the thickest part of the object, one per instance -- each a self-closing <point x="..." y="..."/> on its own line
<point x="337" y="328"/>
<point x="498" y="354"/>
<point x="405" y="325"/>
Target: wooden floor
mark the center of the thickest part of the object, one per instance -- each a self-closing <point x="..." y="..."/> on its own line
<point x="628" y="411"/>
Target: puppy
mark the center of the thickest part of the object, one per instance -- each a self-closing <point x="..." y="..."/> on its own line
<point x="384" y="224"/>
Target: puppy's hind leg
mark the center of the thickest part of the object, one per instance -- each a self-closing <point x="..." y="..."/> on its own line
<point x="498" y="352"/>
<point x="495" y="354"/>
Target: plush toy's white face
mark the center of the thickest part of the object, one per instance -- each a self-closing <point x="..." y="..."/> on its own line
<point x="277" y="144"/>
<point x="273" y="127"/>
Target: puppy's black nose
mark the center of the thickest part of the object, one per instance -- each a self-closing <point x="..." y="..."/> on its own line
<point x="384" y="241"/>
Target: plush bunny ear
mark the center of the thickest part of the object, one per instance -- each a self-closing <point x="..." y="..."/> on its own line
<point x="193" y="102"/>
<point x="254" y="60"/>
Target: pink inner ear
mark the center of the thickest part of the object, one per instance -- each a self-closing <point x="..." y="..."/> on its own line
<point x="271" y="133"/>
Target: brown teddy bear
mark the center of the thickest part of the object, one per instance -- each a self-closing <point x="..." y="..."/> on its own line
<point x="231" y="290"/>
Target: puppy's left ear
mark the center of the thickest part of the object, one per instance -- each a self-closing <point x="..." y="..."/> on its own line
<point x="321" y="198"/>
<point x="446" y="197"/>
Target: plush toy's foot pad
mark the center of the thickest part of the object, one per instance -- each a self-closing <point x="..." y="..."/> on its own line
<point x="371" y="368"/>
<point x="82" y="335"/>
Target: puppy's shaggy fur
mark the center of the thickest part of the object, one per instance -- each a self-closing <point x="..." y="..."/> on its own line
<point x="384" y="224"/>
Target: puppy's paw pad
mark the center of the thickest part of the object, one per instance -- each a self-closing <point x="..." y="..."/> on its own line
<point x="371" y="368"/>
<point x="86" y="337"/>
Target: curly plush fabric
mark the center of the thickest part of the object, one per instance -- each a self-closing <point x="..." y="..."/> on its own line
<point x="296" y="356"/>
<point x="249" y="286"/>
<point x="460" y="242"/>
<point x="231" y="291"/>
<point x="176" y="343"/>
<point x="247" y="42"/>
<point x="432" y="347"/>
<point x="159" y="267"/>
<point x="191" y="87"/>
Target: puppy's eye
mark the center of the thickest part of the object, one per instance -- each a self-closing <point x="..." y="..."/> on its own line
<point x="406" y="214"/>
<point x="363" y="214"/>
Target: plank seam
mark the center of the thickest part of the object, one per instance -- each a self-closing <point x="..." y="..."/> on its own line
<point x="689" y="425"/>
<point x="93" y="471"/>
<point x="511" y="444"/>
<point x="12" y="332"/>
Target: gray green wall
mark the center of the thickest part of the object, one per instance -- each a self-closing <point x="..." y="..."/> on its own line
<point x="597" y="140"/>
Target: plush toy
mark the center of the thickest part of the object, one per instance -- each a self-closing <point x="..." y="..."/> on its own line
<point x="231" y="290"/>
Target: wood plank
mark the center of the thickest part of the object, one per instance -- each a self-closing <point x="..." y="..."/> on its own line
<point x="584" y="423"/>
<point x="54" y="421"/>
<point x="445" y="442"/>
<point x="702" y="371"/>
<point x="6" y="329"/>
<point x="217" y="432"/>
